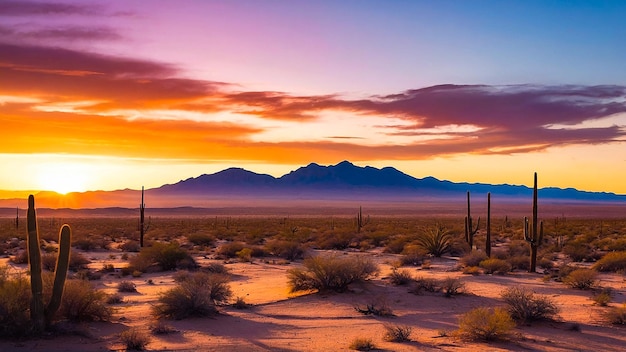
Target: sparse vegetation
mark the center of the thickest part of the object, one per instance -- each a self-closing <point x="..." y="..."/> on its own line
<point x="495" y="266"/>
<point x="135" y="339"/>
<point x="331" y="273"/>
<point x="82" y="302"/>
<point x="486" y="324"/>
<point x="436" y="241"/>
<point x="617" y="315"/>
<point x="400" y="277"/>
<point x="397" y="333"/>
<point x="582" y="279"/>
<point x="525" y="306"/>
<point x="126" y="286"/>
<point x="362" y="344"/>
<point x="614" y="262"/>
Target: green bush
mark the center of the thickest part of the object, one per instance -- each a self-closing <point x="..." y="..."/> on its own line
<point x="193" y="296"/>
<point x="495" y="266"/>
<point x="614" y="262"/>
<point x="525" y="306"/>
<point x="582" y="279"/>
<point x="486" y="324"/>
<point x="330" y="273"/>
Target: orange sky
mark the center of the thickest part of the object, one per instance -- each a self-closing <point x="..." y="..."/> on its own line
<point x="81" y="110"/>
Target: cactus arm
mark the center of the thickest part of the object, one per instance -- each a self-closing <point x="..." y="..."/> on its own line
<point x="60" y="273"/>
<point x="526" y="237"/>
<point x="540" y="233"/>
<point x="34" y="263"/>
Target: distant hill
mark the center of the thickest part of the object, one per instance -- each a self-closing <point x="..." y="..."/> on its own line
<point x="341" y="182"/>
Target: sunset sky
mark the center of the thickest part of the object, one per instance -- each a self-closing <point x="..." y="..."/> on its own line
<point x="103" y="95"/>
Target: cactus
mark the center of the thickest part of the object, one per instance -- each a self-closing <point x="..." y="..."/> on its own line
<point x="534" y="238"/>
<point x="469" y="230"/>
<point x="41" y="315"/>
<point x="359" y="220"/>
<point x="17" y="218"/>
<point x="142" y="225"/>
<point x="488" y="236"/>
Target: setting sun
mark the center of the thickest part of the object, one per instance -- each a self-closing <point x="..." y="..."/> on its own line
<point x="63" y="178"/>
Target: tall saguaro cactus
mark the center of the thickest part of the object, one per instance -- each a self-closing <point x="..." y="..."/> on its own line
<point x="142" y="227"/>
<point x="470" y="231"/>
<point x="41" y="315"/>
<point x="360" y="222"/>
<point x="488" y="237"/>
<point x="534" y="238"/>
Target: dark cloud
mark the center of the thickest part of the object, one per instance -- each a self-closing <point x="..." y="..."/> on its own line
<point x="29" y="8"/>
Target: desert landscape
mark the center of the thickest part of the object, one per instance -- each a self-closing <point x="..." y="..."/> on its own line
<point x="424" y="288"/>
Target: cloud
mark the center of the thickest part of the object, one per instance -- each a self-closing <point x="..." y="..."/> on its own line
<point x="30" y="8"/>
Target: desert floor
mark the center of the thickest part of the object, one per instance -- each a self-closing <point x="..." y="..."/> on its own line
<point x="281" y="321"/>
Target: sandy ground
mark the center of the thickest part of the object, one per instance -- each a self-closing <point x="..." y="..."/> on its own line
<point x="280" y="321"/>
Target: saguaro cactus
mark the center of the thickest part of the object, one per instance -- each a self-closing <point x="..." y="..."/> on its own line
<point x="469" y="230"/>
<point x="534" y="238"/>
<point x="360" y="222"/>
<point x="488" y="237"/>
<point x="17" y="218"/>
<point x="142" y="226"/>
<point x="41" y="315"/>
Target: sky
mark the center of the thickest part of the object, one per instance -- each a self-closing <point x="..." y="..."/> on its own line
<point x="104" y="95"/>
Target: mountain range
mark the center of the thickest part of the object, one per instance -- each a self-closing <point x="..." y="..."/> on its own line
<point x="341" y="182"/>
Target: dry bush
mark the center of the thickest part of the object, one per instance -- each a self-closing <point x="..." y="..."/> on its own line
<point x="290" y="250"/>
<point x="14" y="307"/>
<point x="115" y="298"/>
<point x="425" y="284"/>
<point x="77" y="261"/>
<point x="216" y="268"/>
<point x="582" y="279"/>
<point x="495" y="266"/>
<point x="525" y="306"/>
<point x="603" y="297"/>
<point x="130" y="246"/>
<point x="486" y="324"/>
<point x="471" y="270"/>
<point x="161" y="328"/>
<point x="162" y="256"/>
<point x="519" y="262"/>
<point x="240" y="303"/>
<point x="230" y="249"/>
<point x="201" y="239"/>
<point x="82" y="302"/>
<point x="413" y="255"/>
<point x="126" y="286"/>
<point x="194" y="296"/>
<point x="378" y="307"/>
<point x="400" y="277"/>
<point x="473" y="258"/>
<point x="331" y="273"/>
<point x="397" y="333"/>
<point x="134" y="339"/>
<point x="451" y="286"/>
<point x="362" y="344"/>
<point x="614" y="262"/>
<point x="617" y="315"/>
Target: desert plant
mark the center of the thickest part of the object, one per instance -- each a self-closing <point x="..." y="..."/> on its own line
<point x="143" y="228"/>
<point x="617" y="315"/>
<point x="525" y="306"/>
<point x="330" y="272"/>
<point x="195" y="296"/>
<point x="473" y="258"/>
<point x="134" y="339"/>
<point x="162" y="328"/>
<point x="397" y="333"/>
<point x="240" y="303"/>
<point x="495" y="266"/>
<point x="485" y="324"/>
<point x="425" y="284"/>
<point x="290" y="250"/>
<point x="614" y="262"/>
<point x="582" y="279"/>
<point x="488" y="234"/>
<point x="216" y="268"/>
<point x="115" y="298"/>
<point x="166" y="256"/>
<point x="603" y="297"/>
<point x="201" y="239"/>
<point x="469" y="230"/>
<point x="400" y="277"/>
<point x="378" y="307"/>
<point x="42" y="315"/>
<point x="412" y="255"/>
<point x="435" y="241"/>
<point x="451" y="286"/>
<point x="362" y="344"/>
<point x="126" y="286"/>
<point x="14" y="307"/>
<point x="535" y="238"/>
<point x="82" y="302"/>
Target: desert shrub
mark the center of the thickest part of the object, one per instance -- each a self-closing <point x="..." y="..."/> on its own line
<point x="362" y="344"/>
<point x="115" y="298"/>
<point x="194" y="296"/>
<point x="435" y="241"/>
<point x="485" y="324"/>
<point x="82" y="302"/>
<point x="603" y="297"/>
<point x="518" y="248"/>
<point x="88" y="274"/>
<point x="330" y="272"/>
<point x="245" y="255"/>
<point x="495" y="266"/>
<point x="578" y="251"/>
<point x="77" y="261"/>
<point x="473" y="258"/>
<point x="162" y="328"/>
<point x="216" y="268"/>
<point x="87" y="244"/>
<point x="519" y="262"/>
<point x="126" y="286"/>
<point x="582" y="279"/>
<point x="130" y="246"/>
<point x="14" y="307"/>
<point x="412" y="255"/>
<point x="400" y="277"/>
<point x="134" y="339"/>
<point x="425" y="284"/>
<point x="166" y="256"/>
<point x="614" y="262"/>
<point x="240" y="303"/>
<point x="378" y="307"/>
<point x="230" y="249"/>
<point x="290" y="250"/>
<point x="201" y="239"/>
<point x="471" y="270"/>
<point x="617" y="315"/>
<point x="20" y="258"/>
<point x="545" y="263"/>
<point x="525" y="306"/>
<point x="396" y="244"/>
<point x="397" y="333"/>
<point x="451" y="286"/>
<point x="108" y="268"/>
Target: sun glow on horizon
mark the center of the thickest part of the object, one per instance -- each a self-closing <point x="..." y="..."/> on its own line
<point x="63" y="178"/>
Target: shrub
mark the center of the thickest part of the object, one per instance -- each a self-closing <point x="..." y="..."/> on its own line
<point x="617" y="315"/>
<point x="165" y="256"/>
<point x="614" y="262"/>
<point x="245" y="255"/>
<point x="14" y="307"/>
<point x="115" y="298"/>
<point x="400" y="277"/>
<point x="130" y="246"/>
<point x="134" y="339"/>
<point x="290" y="250"/>
<point x="603" y="298"/>
<point x="201" y="239"/>
<point x="230" y="249"/>
<point x="486" y="324"/>
<point x="77" y="261"/>
<point x="436" y="241"/>
<point x="451" y="286"/>
<point x="495" y="266"/>
<point x="525" y="306"/>
<point x="362" y="344"/>
<point x="126" y="286"/>
<point x="582" y="279"/>
<point x="412" y="255"/>
<point x="194" y="296"/>
<point x="397" y="333"/>
<point x="216" y="268"/>
<point x="330" y="272"/>
<point x="161" y="328"/>
<point x="379" y="307"/>
<point x="473" y="258"/>
<point x="82" y="302"/>
<point x="425" y="284"/>
<point x="240" y="303"/>
<point x="471" y="270"/>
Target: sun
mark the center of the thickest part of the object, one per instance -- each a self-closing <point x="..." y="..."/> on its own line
<point x="62" y="178"/>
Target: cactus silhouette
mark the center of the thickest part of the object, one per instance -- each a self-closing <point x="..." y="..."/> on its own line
<point x="488" y="236"/>
<point x="469" y="230"/>
<point x="534" y="238"/>
<point x="41" y="315"/>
